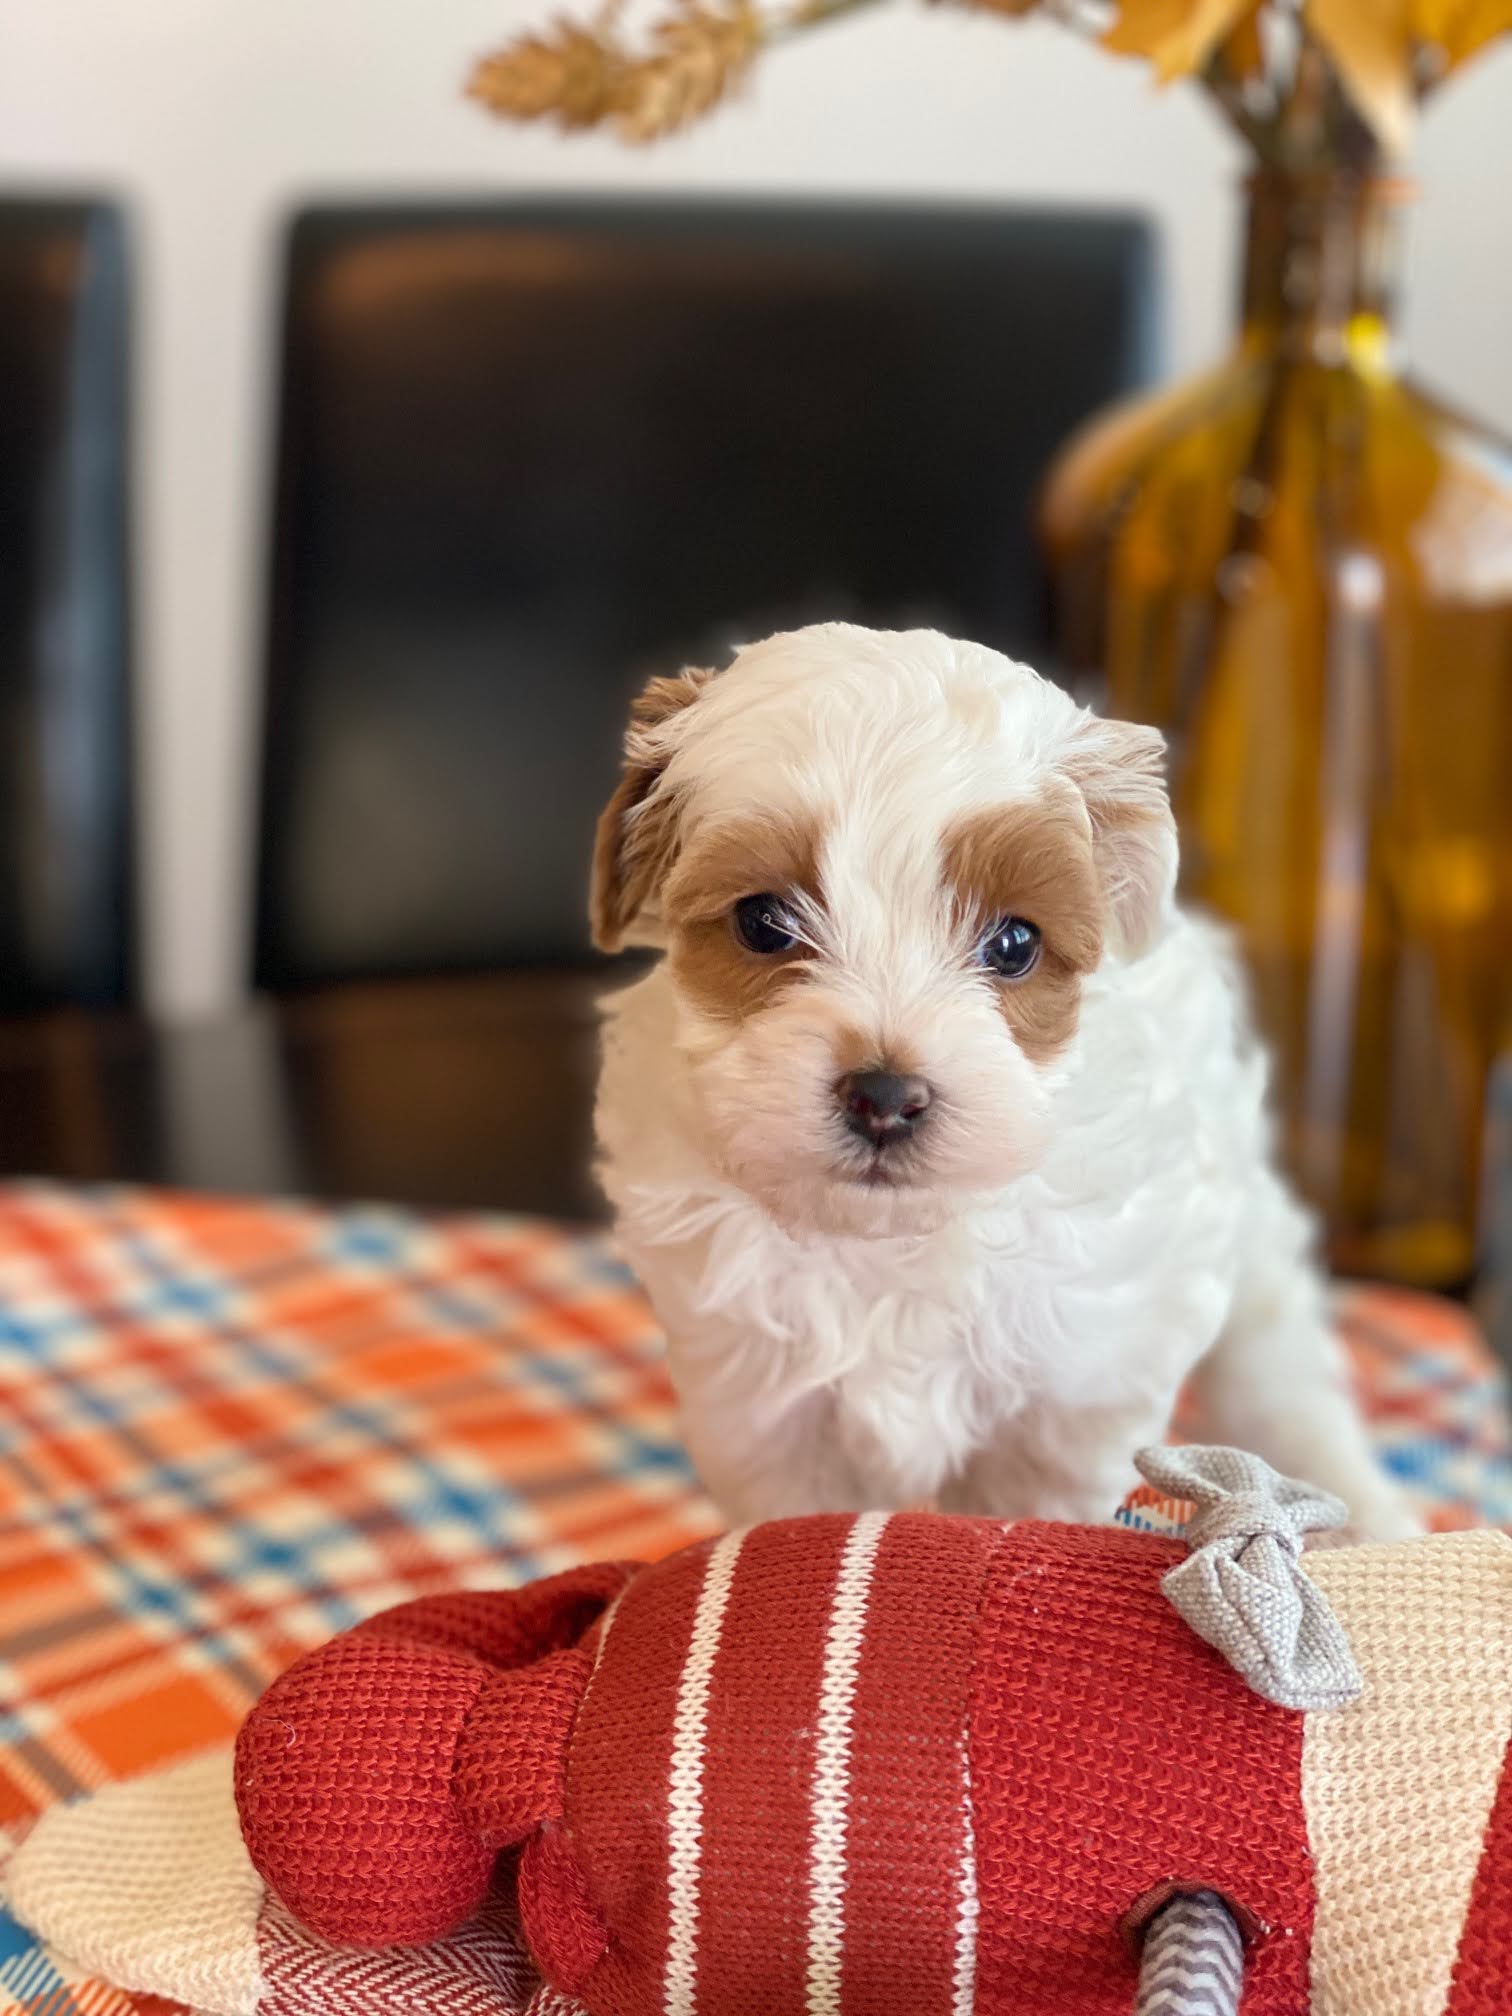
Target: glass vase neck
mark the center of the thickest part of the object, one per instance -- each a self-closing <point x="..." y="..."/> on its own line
<point x="1323" y="253"/>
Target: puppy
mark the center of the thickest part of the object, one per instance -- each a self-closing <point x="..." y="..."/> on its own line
<point x="936" y="1135"/>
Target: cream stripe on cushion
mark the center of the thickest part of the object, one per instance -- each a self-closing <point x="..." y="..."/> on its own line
<point x="831" y="1796"/>
<point x="148" y="1885"/>
<point x="964" y="1999"/>
<point x="685" y="1799"/>
<point x="1398" y="1786"/>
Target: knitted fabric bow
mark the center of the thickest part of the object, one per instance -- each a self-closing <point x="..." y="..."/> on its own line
<point x="1242" y="1587"/>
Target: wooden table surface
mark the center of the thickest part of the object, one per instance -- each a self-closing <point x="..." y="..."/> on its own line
<point x="463" y="1093"/>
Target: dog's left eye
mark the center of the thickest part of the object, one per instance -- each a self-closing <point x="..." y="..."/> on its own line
<point x="762" y="924"/>
<point x="1011" y="948"/>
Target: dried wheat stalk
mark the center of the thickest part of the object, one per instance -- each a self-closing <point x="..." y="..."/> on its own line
<point x="570" y="74"/>
<point x="698" y="55"/>
<point x="701" y="53"/>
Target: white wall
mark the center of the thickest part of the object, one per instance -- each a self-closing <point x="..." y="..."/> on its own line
<point x="213" y="115"/>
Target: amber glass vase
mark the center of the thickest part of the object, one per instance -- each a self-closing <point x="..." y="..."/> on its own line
<point x="1300" y="567"/>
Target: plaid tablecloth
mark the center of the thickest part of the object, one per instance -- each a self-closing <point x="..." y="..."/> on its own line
<point x="229" y="1429"/>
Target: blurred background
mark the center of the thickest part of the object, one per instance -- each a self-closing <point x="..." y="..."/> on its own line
<point x="361" y="453"/>
<point x="364" y="452"/>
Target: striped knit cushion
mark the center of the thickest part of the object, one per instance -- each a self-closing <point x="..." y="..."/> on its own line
<point x="895" y="1767"/>
<point x="871" y="1766"/>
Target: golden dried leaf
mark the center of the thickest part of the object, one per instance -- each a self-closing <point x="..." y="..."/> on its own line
<point x="701" y="54"/>
<point x="1460" y="28"/>
<point x="1370" y="42"/>
<point x="569" y="75"/>
<point x="1016" y="8"/>
<point x="1178" y="36"/>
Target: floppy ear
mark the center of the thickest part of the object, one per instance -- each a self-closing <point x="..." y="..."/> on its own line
<point x="637" y="830"/>
<point x="1119" y="768"/>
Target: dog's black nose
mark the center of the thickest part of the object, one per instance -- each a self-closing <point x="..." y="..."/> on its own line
<point x="881" y="1106"/>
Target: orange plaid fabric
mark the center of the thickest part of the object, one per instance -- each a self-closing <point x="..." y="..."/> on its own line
<point x="229" y="1429"/>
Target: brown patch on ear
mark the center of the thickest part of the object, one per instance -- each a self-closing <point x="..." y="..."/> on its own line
<point x="636" y="840"/>
<point x="1119" y="768"/>
<point x="632" y="851"/>
<point x="659" y="699"/>
<point x="1033" y="861"/>
<point x="748" y="857"/>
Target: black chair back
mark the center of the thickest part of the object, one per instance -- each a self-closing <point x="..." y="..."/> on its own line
<point x="66" y="858"/>
<point x="531" y="453"/>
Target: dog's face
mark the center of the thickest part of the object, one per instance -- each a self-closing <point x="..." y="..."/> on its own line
<point x="882" y="867"/>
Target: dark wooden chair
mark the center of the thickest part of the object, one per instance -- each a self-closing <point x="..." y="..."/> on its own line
<point x="530" y="453"/>
<point x="66" y="857"/>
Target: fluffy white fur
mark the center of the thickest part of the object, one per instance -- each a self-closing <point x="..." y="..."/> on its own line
<point x="1002" y="1333"/>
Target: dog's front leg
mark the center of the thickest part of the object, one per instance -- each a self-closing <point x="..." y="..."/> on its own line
<point x="1276" y="1381"/>
<point x="1057" y="1463"/>
<point x="898" y="1448"/>
<point x="764" y="1459"/>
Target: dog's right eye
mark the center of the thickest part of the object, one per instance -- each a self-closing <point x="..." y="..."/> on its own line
<point x="763" y="925"/>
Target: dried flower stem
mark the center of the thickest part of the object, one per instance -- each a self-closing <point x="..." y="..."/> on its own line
<point x="811" y="13"/>
<point x="1300" y="102"/>
<point x="1229" y="95"/>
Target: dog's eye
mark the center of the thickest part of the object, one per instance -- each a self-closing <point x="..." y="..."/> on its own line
<point x="1011" y="948"/>
<point x="762" y="924"/>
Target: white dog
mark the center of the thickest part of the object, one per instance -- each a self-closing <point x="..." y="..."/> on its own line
<point x="936" y="1136"/>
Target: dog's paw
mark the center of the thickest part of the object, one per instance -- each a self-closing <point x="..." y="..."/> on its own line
<point x="1387" y="1515"/>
